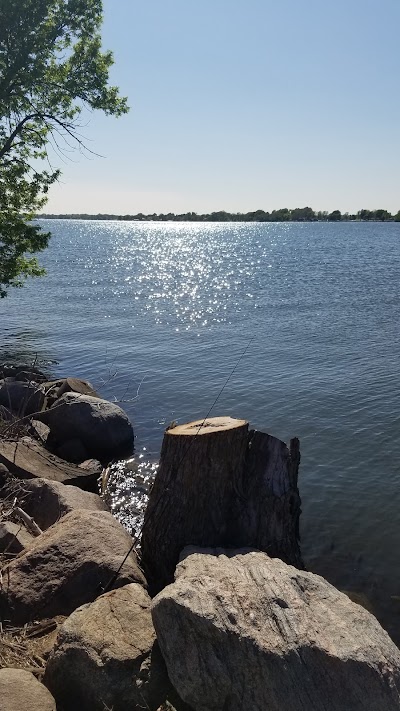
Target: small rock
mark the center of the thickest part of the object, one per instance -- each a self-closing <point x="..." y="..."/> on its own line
<point x="21" y="691"/>
<point x="106" y="655"/>
<point x="67" y="566"/>
<point x="92" y="465"/>
<point x="40" y="431"/>
<point x="14" y="538"/>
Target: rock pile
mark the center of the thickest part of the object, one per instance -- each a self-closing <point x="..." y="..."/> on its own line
<point x="66" y="418"/>
<point x="237" y="630"/>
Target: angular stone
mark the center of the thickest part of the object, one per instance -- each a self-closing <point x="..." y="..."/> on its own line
<point x="39" y="430"/>
<point x="102" y="427"/>
<point x="28" y="459"/>
<point x="21" y="691"/>
<point x="14" y="538"/>
<point x="239" y="630"/>
<point x="106" y="655"/>
<point x="47" y="501"/>
<point x="67" y="566"/>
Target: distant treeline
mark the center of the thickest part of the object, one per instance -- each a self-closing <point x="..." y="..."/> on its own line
<point x="299" y="214"/>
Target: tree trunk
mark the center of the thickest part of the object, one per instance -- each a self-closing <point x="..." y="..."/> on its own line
<point x="219" y="485"/>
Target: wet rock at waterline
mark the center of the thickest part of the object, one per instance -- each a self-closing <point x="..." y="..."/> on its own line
<point x="239" y="630"/>
<point x="67" y="566"/>
<point x="22" y="372"/>
<point x="21" y="691"/>
<point x="47" y="501"/>
<point x="102" y="427"/>
<point x="106" y="656"/>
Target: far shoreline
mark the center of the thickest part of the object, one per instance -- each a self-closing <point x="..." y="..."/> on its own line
<point x="276" y="216"/>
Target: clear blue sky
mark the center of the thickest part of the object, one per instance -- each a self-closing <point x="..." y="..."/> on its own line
<point x="241" y="105"/>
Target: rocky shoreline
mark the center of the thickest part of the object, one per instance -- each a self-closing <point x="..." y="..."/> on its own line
<point x="237" y="629"/>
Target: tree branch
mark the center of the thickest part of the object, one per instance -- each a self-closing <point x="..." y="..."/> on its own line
<point x="16" y="132"/>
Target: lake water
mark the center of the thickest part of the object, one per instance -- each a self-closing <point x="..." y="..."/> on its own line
<point x="157" y="315"/>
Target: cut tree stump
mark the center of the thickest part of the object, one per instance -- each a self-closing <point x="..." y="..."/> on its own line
<point x="221" y="485"/>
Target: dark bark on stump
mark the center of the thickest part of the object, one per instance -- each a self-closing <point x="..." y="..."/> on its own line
<point x="219" y="485"/>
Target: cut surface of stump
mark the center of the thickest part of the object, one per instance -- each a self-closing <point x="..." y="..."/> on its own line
<point x="219" y="484"/>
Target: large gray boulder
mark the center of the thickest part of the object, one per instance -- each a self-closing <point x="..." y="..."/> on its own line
<point x="106" y="655"/>
<point x="20" y="691"/>
<point x="67" y="566"/>
<point x="101" y="426"/>
<point x="47" y="501"/>
<point x="239" y="630"/>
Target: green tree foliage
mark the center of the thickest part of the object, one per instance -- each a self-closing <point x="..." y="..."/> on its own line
<point x="335" y="216"/>
<point x="52" y="69"/>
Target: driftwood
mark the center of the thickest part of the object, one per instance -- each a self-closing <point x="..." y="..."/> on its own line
<point x="221" y="485"/>
<point x="28" y="521"/>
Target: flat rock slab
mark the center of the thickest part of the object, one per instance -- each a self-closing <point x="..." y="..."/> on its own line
<point x="20" y="691"/>
<point x="47" y="501"/>
<point x="28" y="459"/>
<point x="239" y="630"/>
<point x="67" y="566"/>
<point x="106" y="656"/>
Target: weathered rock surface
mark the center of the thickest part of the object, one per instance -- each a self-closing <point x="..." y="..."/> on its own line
<point x="103" y="428"/>
<point x="20" y="691"/>
<point x="39" y="430"/>
<point x="28" y="459"/>
<point x="47" y="501"/>
<point x="239" y="630"/>
<point x="14" y="538"/>
<point x="106" y="655"/>
<point x="22" y="398"/>
<point x="92" y="465"/>
<point x="67" y="566"/>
